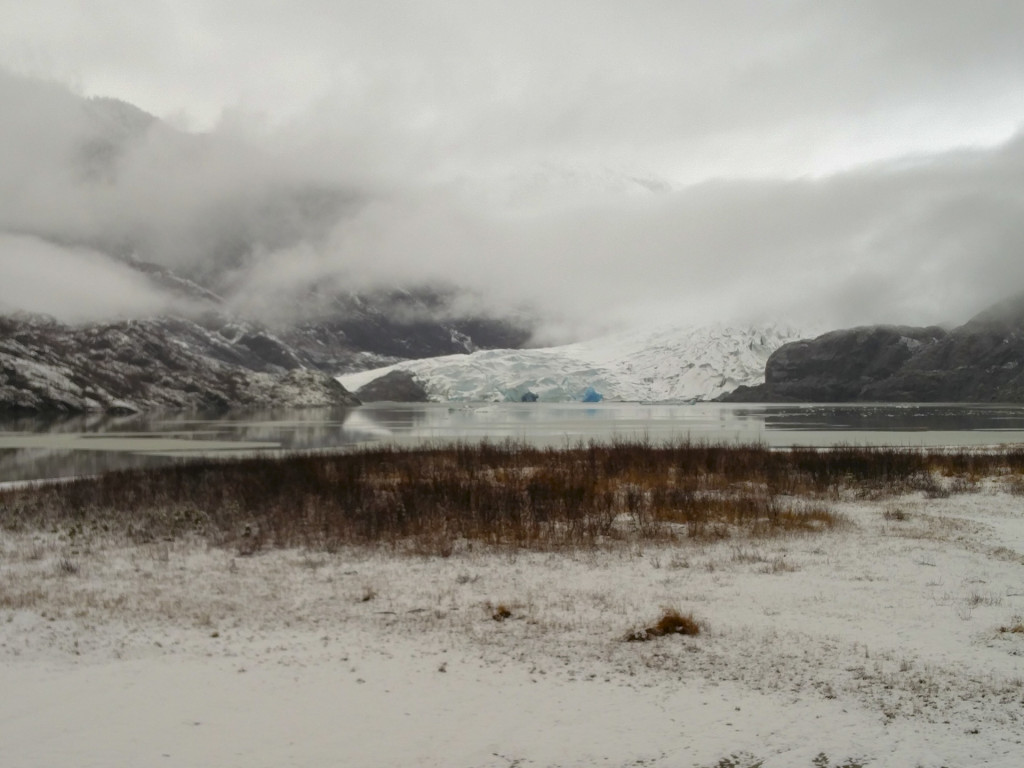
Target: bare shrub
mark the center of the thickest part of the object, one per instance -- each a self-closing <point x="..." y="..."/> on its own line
<point x="977" y="598"/>
<point x="739" y="760"/>
<point x="931" y="486"/>
<point x="35" y="551"/>
<point x="895" y="515"/>
<point x="741" y="555"/>
<point x="250" y="540"/>
<point x="18" y="599"/>
<point x="1015" y="485"/>
<point x="779" y="565"/>
<point x="672" y="622"/>
<point x="368" y="594"/>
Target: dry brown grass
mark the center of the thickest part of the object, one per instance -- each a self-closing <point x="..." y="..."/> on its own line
<point x="431" y="500"/>
<point x="17" y="597"/>
<point x="1015" y="627"/>
<point x="672" y="622"/>
<point x="1015" y="484"/>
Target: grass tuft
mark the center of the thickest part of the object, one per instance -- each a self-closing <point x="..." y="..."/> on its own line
<point x="672" y="622"/>
<point x="1015" y="627"/>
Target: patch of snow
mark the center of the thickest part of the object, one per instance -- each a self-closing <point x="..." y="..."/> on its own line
<point x="50" y="375"/>
<point x="874" y="644"/>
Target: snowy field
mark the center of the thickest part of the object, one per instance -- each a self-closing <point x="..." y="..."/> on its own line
<point x="895" y="640"/>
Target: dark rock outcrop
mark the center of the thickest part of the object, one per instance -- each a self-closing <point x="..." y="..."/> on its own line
<point x="980" y="361"/>
<point x="395" y="386"/>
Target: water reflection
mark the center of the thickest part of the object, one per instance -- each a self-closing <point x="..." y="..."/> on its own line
<point x="43" y="448"/>
<point x="777" y="425"/>
<point x="36" y="448"/>
<point x="889" y="418"/>
<point x="36" y="463"/>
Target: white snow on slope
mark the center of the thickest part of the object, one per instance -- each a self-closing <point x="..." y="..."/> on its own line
<point x="667" y="364"/>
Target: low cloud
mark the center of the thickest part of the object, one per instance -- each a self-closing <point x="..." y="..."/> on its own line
<point x="264" y="214"/>
<point x="74" y="284"/>
<point x="932" y="240"/>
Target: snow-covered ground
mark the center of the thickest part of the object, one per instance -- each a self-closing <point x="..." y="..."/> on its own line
<point x="666" y="364"/>
<point x="875" y="644"/>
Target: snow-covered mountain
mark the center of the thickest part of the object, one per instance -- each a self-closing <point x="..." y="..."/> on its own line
<point x="666" y="364"/>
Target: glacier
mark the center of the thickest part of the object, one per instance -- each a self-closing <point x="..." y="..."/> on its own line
<point x="666" y="364"/>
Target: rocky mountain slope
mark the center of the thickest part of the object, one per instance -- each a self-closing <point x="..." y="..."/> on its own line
<point x="359" y="331"/>
<point x="660" y="365"/>
<point x="980" y="361"/>
<point x="348" y="331"/>
<point x="50" y="368"/>
<point x="209" y="359"/>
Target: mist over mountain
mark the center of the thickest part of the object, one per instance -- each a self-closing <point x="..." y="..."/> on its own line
<point x="110" y="213"/>
<point x="103" y="177"/>
<point x="280" y="222"/>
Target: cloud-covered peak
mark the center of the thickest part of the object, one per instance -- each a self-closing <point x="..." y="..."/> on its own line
<point x="603" y="162"/>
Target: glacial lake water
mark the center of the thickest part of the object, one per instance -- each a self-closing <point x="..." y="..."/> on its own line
<point x="33" y="449"/>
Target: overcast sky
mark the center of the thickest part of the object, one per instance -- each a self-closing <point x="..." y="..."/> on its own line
<point x="841" y="162"/>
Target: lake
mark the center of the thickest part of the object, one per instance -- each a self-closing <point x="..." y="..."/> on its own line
<point x="36" y="448"/>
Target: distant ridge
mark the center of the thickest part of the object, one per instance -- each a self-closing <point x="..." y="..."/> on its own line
<point x="980" y="361"/>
